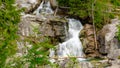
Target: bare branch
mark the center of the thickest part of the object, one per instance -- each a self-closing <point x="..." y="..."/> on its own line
<point x="95" y="35"/>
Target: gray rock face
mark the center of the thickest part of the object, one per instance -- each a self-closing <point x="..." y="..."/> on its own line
<point x="109" y="45"/>
<point x="114" y="49"/>
<point x="29" y="5"/>
<point x="53" y="27"/>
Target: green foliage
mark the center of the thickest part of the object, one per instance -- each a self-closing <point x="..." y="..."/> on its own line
<point x="95" y="59"/>
<point x="77" y="7"/>
<point x="9" y="19"/>
<point x="101" y="14"/>
<point x="38" y="54"/>
<point x="118" y="57"/>
<point x="83" y="9"/>
<point x="63" y="2"/>
<point x="115" y="2"/>
<point x="118" y="33"/>
<point x="72" y="63"/>
<point x="15" y="62"/>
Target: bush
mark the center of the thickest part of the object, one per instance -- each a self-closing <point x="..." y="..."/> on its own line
<point x="83" y="9"/>
<point x="38" y="54"/>
<point x="9" y="19"/>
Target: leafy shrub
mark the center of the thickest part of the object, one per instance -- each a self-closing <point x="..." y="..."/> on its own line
<point x="38" y="54"/>
<point x="83" y="9"/>
<point x="9" y="19"/>
<point x="115" y="2"/>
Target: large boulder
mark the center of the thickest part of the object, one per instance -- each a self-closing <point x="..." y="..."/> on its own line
<point x="54" y="27"/>
<point x="87" y="35"/>
<point x="109" y="44"/>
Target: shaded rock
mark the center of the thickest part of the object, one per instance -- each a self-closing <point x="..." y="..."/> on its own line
<point x="57" y="27"/>
<point x="54" y="27"/>
<point x="89" y="50"/>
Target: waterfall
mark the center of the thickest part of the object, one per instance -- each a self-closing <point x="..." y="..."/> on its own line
<point x="72" y="47"/>
<point x="44" y="8"/>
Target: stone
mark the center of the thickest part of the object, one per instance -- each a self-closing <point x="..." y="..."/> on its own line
<point x="29" y="5"/>
<point x="114" y="49"/>
<point x="89" y="51"/>
<point x="76" y="64"/>
<point x="114" y="64"/>
<point x="109" y="44"/>
<point x="90" y="32"/>
<point x="90" y="38"/>
<point x="54" y="4"/>
<point x="88" y="41"/>
<point x="91" y="44"/>
<point x="88" y="26"/>
<point x="54" y="27"/>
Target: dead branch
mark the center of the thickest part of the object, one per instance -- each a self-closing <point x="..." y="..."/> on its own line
<point x="55" y="11"/>
<point x="95" y="35"/>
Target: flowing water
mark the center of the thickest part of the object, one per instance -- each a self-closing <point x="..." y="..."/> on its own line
<point x="72" y="47"/>
<point x="44" y="8"/>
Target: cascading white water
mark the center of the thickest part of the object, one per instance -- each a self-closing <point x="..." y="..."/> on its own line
<point x="72" y="47"/>
<point x="45" y="8"/>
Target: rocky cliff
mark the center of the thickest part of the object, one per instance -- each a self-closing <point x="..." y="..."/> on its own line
<point x="54" y="27"/>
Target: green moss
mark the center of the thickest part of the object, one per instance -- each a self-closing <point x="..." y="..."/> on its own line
<point x="95" y="59"/>
<point x="118" y="33"/>
<point x="118" y="57"/>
